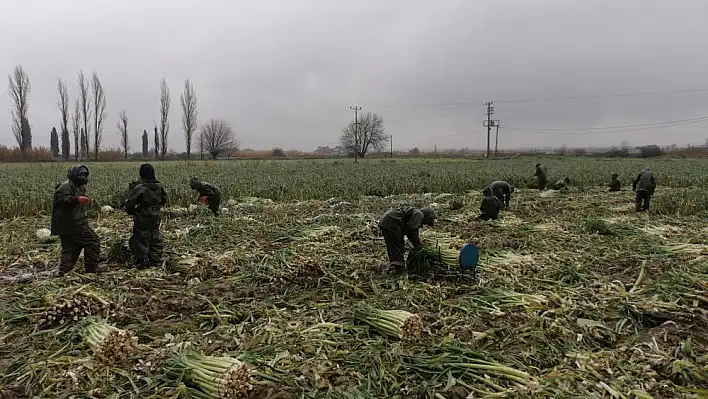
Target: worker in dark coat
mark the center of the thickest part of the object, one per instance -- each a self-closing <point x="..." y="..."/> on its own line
<point x="541" y="176"/>
<point x="644" y="186"/>
<point x="398" y="223"/>
<point x="70" y="222"/>
<point x="144" y="204"/>
<point x="208" y="194"/>
<point x="615" y="184"/>
<point x="500" y="189"/>
<point x="561" y="184"/>
<point x="490" y="207"/>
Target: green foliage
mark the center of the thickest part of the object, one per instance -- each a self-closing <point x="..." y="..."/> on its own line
<point x="284" y="180"/>
<point x="598" y="226"/>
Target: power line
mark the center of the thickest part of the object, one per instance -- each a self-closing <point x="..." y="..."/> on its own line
<point x="545" y="99"/>
<point x="447" y="135"/>
<point x="660" y="125"/>
<point x="700" y="118"/>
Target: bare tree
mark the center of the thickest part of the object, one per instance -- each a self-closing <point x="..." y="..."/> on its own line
<point x="123" y="128"/>
<point x="76" y="127"/>
<point x="189" y="114"/>
<point x="164" y="114"/>
<point x="369" y="134"/>
<point x="19" y="89"/>
<point x="201" y="145"/>
<point x="217" y="137"/>
<point x="64" y="111"/>
<point x="157" y="142"/>
<point x="99" y="112"/>
<point x="85" y="97"/>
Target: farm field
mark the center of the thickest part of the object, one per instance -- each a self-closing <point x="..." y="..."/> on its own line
<point x="576" y="295"/>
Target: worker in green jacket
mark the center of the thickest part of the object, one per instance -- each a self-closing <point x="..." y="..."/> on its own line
<point x="209" y="194"/>
<point x="561" y="184"/>
<point x="398" y="223"/>
<point x="541" y="176"/>
<point x="644" y="186"/>
<point x="615" y="184"/>
<point x="70" y="222"/>
<point x="500" y="189"/>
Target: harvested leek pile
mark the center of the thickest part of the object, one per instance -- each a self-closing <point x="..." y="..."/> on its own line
<point x="399" y="324"/>
<point x="215" y="377"/>
<point x="109" y="343"/>
<point x="472" y="370"/>
<point x="432" y="252"/>
<point x="72" y="308"/>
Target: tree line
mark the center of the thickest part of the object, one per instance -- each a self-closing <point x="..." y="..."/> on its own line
<point x="88" y="119"/>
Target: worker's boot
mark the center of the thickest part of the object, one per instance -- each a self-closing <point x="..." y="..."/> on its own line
<point x="399" y="269"/>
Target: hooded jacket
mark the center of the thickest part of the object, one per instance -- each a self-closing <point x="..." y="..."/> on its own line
<point x="500" y="189"/>
<point x="68" y="216"/>
<point x="541" y="173"/>
<point x="146" y="199"/>
<point x="490" y="206"/>
<point x="407" y="220"/>
<point x="645" y="181"/>
<point x="208" y="190"/>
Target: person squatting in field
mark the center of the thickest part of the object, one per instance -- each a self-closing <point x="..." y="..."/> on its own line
<point x="208" y="194"/>
<point x="70" y="223"/>
<point x="561" y="184"/>
<point x="644" y="186"/>
<point x="144" y="204"/>
<point x="398" y="223"/>
<point x="541" y="175"/>
<point x="490" y="206"/>
<point x="502" y="190"/>
<point x="615" y="184"/>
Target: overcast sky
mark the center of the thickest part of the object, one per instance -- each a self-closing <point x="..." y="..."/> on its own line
<point x="284" y="72"/>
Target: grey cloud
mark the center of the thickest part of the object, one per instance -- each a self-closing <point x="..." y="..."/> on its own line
<point x="284" y="72"/>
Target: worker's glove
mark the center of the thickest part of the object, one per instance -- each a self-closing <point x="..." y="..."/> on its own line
<point x="83" y="200"/>
<point x="204" y="200"/>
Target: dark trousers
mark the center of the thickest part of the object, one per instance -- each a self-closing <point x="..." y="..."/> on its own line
<point x="542" y="184"/>
<point x="71" y="247"/>
<point x="146" y="244"/>
<point x="395" y="245"/>
<point x="214" y="206"/>
<point x="485" y="216"/>
<point x="642" y="200"/>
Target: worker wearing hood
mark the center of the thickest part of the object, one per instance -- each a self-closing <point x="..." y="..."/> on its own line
<point x="70" y="222"/>
<point x="208" y="194"/>
<point x="644" y="186"/>
<point x="615" y="183"/>
<point x="398" y="223"/>
<point x="541" y="175"/>
<point x="144" y="204"/>
<point x="500" y="189"/>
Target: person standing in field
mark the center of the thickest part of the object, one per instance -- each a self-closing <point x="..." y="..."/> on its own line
<point x="541" y="176"/>
<point x="500" y="189"/>
<point x="644" y="186"/>
<point x="208" y="194"/>
<point x="615" y="184"/>
<point x="70" y="223"/>
<point x="144" y="204"/>
<point x="398" y="223"/>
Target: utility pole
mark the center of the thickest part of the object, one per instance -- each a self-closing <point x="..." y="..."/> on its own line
<point x="391" y="146"/>
<point x="488" y="123"/>
<point x="496" y="139"/>
<point x="356" y="110"/>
